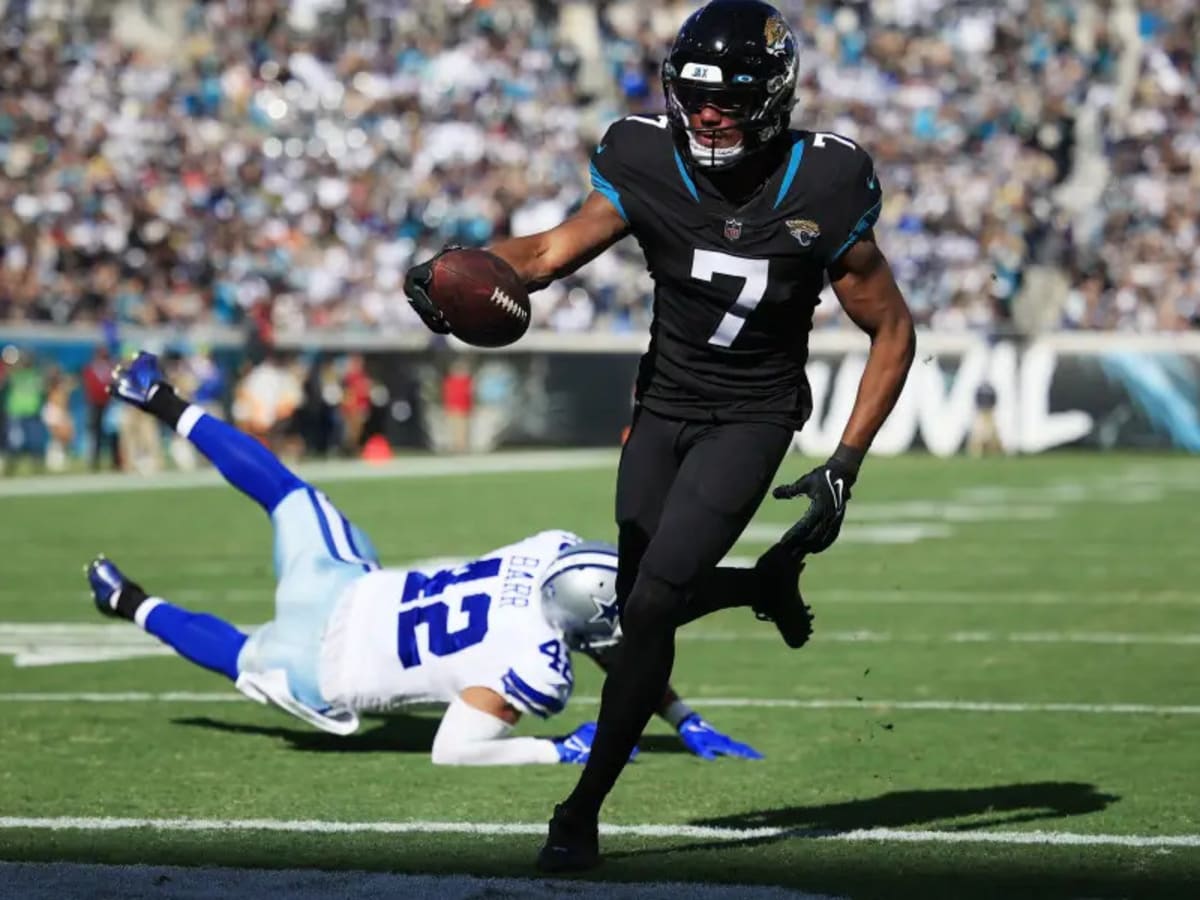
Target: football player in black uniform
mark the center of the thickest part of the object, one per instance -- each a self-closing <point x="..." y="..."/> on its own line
<point x="741" y="220"/>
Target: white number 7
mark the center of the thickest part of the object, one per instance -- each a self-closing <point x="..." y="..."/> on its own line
<point x="819" y="139"/>
<point x="707" y="263"/>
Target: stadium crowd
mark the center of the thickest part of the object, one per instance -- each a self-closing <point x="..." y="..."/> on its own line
<point x="318" y="405"/>
<point x="217" y="161"/>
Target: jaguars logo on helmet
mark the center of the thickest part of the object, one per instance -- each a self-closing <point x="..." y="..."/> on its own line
<point x="777" y="34"/>
<point x="738" y="56"/>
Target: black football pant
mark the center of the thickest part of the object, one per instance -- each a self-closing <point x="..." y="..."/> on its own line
<point x="685" y="493"/>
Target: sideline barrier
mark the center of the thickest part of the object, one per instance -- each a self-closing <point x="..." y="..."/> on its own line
<point x="1083" y="390"/>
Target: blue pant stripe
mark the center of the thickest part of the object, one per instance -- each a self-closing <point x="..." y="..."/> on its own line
<point x="367" y="564"/>
<point x="321" y="520"/>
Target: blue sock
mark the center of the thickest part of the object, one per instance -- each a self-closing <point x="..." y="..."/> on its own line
<point x="205" y="640"/>
<point x="246" y="464"/>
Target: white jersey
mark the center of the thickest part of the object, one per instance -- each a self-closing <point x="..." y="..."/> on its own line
<point x="403" y="636"/>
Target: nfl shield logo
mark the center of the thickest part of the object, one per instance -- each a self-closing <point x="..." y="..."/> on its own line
<point x="733" y="229"/>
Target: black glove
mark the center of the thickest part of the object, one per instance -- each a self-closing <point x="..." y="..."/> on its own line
<point x="416" y="286"/>
<point x="828" y="487"/>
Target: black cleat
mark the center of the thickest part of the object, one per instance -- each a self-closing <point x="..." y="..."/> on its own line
<point x="573" y="844"/>
<point x="782" y="603"/>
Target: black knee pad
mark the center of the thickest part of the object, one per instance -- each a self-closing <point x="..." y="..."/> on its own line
<point x="652" y="604"/>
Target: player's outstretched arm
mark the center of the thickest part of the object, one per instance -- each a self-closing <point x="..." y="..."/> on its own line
<point x="475" y="732"/>
<point x="548" y="255"/>
<point x="866" y="289"/>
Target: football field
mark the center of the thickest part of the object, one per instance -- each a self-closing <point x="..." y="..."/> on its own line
<point x="1002" y="696"/>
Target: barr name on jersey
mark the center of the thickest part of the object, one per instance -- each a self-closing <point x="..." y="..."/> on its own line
<point x="483" y="627"/>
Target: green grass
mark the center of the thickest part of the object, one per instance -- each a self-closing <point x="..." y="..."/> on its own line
<point x="1110" y="549"/>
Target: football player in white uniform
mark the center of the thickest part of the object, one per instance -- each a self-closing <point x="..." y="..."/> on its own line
<point x="490" y="638"/>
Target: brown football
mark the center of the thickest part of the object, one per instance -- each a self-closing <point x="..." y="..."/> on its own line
<point x="481" y="296"/>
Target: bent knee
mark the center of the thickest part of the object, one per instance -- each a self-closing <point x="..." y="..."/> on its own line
<point x="653" y="603"/>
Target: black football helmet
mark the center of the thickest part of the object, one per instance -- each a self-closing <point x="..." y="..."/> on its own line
<point x="740" y="57"/>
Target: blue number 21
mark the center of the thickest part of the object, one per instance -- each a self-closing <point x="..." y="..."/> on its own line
<point x="443" y="642"/>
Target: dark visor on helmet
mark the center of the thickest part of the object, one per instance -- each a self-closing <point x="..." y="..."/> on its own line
<point x="735" y="100"/>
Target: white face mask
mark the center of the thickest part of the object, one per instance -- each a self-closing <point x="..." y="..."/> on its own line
<point x="714" y="157"/>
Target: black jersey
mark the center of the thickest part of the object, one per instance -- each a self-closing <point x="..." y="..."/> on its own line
<point x="734" y="287"/>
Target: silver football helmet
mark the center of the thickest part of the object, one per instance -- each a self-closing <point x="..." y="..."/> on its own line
<point x="579" y="595"/>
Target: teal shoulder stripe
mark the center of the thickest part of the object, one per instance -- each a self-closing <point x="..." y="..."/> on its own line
<point x="603" y="186"/>
<point x="869" y="218"/>
<point x="789" y="176"/>
<point x="687" y="179"/>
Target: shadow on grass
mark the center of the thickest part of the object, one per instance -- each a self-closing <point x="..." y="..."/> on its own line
<point x="398" y="733"/>
<point x="1000" y="805"/>
<point x="983" y="808"/>
<point x="891" y="870"/>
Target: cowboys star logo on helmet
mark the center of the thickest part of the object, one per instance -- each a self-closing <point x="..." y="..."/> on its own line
<point x="579" y="595"/>
<point x="607" y="610"/>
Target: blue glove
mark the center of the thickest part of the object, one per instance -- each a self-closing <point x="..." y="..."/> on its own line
<point x="576" y="747"/>
<point x="708" y="743"/>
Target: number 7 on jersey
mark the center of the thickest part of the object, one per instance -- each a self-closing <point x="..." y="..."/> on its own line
<point x="754" y="274"/>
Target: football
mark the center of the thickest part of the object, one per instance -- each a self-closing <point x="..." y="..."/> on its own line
<point x="481" y="296"/>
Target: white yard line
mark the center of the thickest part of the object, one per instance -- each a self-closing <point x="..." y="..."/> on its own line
<point x="695" y="832"/>
<point x="868" y="636"/>
<point x="405" y="467"/>
<point x="822" y="594"/>
<point x="33" y="644"/>
<point x="1013" y="597"/>
<point x="869" y="705"/>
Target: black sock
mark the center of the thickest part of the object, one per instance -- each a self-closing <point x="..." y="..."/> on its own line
<point x="164" y="404"/>
<point x="131" y="597"/>
<point x="633" y="690"/>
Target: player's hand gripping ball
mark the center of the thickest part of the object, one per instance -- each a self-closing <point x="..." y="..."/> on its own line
<point x="472" y="294"/>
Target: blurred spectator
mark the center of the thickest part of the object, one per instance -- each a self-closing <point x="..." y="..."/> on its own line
<point x="278" y="165"/>
<point x="24" y="394"/>
<point x="317" y="416"/>
<point x="356" y="402"/>
<point x="206" y="375"/>
<point x="180" y="373"/>
<point x="984" y="437"/>
<point x="265" y="400"/>
<point x="140" y="437"/>
<point x="457" y="404"/>
<point x="95" y="379"/>
<point x="56" y="416"/>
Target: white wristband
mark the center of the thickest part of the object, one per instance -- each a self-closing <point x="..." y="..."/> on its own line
<point x="677" y="712"/>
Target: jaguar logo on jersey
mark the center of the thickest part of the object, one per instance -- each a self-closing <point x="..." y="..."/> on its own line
<point x="805" y="231"/>
<point x="733" y="229"/>
<point x="776" y="34"/>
